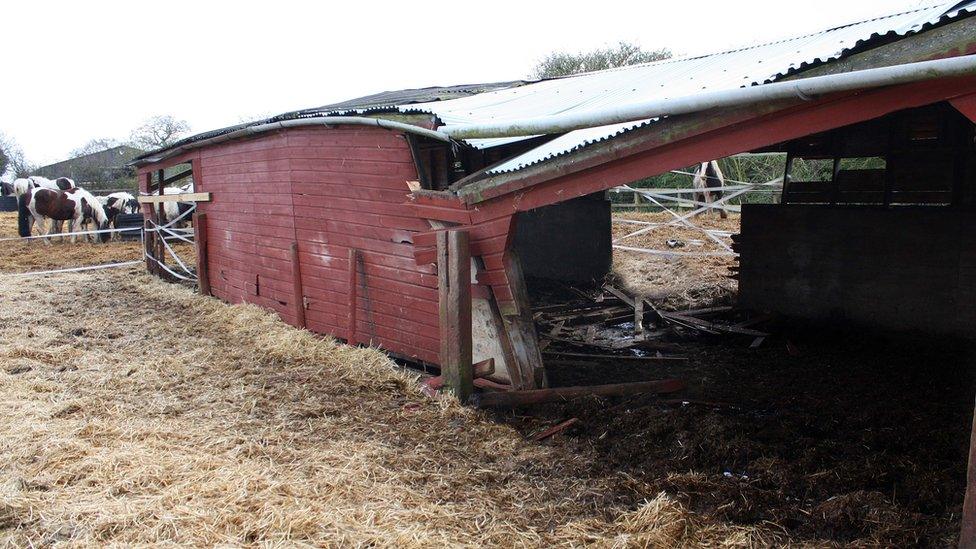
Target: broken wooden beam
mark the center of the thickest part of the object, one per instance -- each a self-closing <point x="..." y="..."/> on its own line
<point x="484" y="368"/>
<point x="512" y="399"/>
<point x="566" y="354"/>
<point x="556" y="429"/>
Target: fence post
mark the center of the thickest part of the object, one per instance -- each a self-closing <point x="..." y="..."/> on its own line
<point x="200" y="240"/>
<point x="454" y="298"/>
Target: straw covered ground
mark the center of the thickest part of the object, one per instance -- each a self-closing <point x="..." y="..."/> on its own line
<point x="135" y="411"/>
<point x="680" y="281"/>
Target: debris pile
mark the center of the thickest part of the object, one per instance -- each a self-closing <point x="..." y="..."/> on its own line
<point x="610" y="320"/>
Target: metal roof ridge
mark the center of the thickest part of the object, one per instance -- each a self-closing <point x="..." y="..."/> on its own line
<point x="762" y="44"/>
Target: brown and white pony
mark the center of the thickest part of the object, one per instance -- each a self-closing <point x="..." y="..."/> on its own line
<point x="118" y="203"/>
<point x="173" y="210"/>
<point x="23" y="184"/>
<point x="708" y="175"/>
<point x="76" y="206"/>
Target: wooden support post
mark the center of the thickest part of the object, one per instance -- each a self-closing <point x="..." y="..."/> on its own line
<point x="454" y="298"/>
<point x="159" y="251"/>
<point x="148" y="244"/>
<point x="353" y="299"/>
<point x="200" y="241"/>
<point x="521" y="328"/>
<point x="296" y="278"/>
<point x="967" y="536"/>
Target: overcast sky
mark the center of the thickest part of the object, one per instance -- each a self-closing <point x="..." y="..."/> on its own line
<point x="82" y="70"/>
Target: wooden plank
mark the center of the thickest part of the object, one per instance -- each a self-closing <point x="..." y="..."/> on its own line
<point x="484" y="368"/>
<point x="296" y="274"/>
<point x="438" y="213"/>
<point x="353" y="256"/>
<point x="513" y="399"/>
<point x="403" y="170"/>
<point x="200" y="242"/>
<point x="184" y="197"/>
<point x="520" y="327"/>
<point x="556" y="429"/>
<point x="625" y="358"/>
<point x="454" y="298"/>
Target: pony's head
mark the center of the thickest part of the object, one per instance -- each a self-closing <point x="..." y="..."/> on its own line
<point x="64" y="183"/>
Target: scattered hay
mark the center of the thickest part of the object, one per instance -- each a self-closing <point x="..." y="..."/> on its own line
<point x="189" y="421"/>
<point x="144" y="414"/>
<point x="680" y="281"/>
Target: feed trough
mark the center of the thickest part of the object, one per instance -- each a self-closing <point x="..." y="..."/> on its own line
<point x="8" y="203"/>
<point x="129" y="221"/>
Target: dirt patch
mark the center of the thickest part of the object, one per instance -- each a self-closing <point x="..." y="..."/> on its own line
<point x="677" y="282"/>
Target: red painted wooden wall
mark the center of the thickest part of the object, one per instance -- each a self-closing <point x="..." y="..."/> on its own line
<point x="329" y="190"/>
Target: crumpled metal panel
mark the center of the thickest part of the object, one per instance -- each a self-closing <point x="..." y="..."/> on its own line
<point x="664" y="79"/>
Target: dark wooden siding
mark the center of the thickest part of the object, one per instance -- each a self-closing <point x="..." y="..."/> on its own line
<point x="329" y="190"/>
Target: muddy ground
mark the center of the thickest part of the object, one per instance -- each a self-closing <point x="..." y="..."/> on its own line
<point x="853" y="437"/>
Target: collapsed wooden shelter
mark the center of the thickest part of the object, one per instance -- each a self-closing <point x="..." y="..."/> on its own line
<point x="366" y="221"/>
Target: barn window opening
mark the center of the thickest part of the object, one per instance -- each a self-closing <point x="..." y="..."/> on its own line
<point x="861" y="180"/>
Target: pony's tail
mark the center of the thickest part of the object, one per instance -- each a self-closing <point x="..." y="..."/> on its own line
<point x="23" y="214"/>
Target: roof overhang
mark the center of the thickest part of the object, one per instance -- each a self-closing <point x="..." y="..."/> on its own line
<point x="679" y="141"/>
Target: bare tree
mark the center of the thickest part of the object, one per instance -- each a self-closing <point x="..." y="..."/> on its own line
<point x="94" y="146"/>
<point x="13" y="159"/>
<point x="4" y="160"/>
<point x="624" y="53"/>
<point x="158" y="132"/>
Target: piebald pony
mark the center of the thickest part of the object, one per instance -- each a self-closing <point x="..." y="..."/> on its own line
<point x="76" y="206"/>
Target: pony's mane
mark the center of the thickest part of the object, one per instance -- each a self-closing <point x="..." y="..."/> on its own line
<point x="94" y="204"/>
<point x="21" y="186"/>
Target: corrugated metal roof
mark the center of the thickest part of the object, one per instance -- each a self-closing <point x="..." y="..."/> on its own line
<point x="400" y="98"/>
<point x="671" y="78"/>
<point x="479" y="103"/>
<point x="387" y="100"/>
